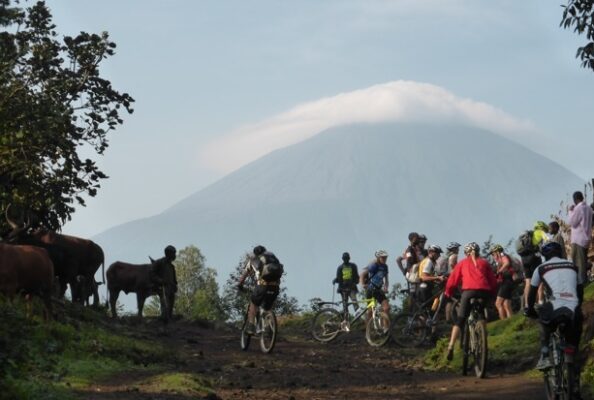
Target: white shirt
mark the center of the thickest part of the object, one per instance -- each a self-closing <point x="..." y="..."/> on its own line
<point x="560" y="278"/>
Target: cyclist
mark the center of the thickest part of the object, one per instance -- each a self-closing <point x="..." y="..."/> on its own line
<point x="427" y="272"/>
<point x="421" y="250"/>
<point x="477" y="280"/>
<point x="257" y="264"/>
<point x="374" y="279"/>
<point x="564" y="294"/>
<point x="505" y="279"/>
<point x="347" y="278"/>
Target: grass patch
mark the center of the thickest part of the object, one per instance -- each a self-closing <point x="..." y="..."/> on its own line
<point x="41" y="359"/>
<point x="178" y="383"/>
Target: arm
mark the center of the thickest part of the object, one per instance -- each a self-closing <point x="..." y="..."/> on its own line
<point x="386" y="283"/>
<point x="338" y="278"/>
<point x="453" y="281"/>
<point x="399" y="263"/>
<point x="363" y="277"/>
<point x="505" y="264"/>
<point x="574" y="217"/>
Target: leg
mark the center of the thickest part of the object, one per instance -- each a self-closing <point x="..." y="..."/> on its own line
<point x="499" y="306"/>
<point x="113" y="299"/>
<point x="354" y="300"/>
<point x="507" y="305"/>
<point x="140" y="298"/>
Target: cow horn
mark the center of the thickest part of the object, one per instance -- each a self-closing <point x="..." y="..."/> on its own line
<point x="12" y="224"/>
<point x="152" y="261"/>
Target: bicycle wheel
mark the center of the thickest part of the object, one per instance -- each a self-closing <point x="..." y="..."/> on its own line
<point x="465" y="344"/>
<point x="326" y="325"/>
<point x="567" y="375"/>
<point x="550" y="381"/>
<point x="378" y="329"/>
<point x="245" y="337"/>
<point x="408" y="330"/>
<point x="480" y="350"/>
<point x="268" y="333"/>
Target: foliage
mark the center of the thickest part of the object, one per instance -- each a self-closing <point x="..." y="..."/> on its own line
<point x="579" y="15"/>
<point x="197" y="294"/>
<point x="236" y="303"/>
<point x="53" y="104"/>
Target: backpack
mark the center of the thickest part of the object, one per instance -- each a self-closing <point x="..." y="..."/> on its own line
<point x="272" y="269"/>
<point x="413" y="274"/>
<point x="517" y="269"/>
<point x="524" y="246"/>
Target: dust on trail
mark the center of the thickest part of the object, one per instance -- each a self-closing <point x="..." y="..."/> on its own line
<point x="302" y="369"/>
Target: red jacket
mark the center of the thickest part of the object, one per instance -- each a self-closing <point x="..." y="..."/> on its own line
<point x="472" y="277"/>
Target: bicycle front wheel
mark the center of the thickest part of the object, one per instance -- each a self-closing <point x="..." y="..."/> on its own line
<point x="408" y="330"/>
<point x="268" y="334"/>
<point x="378" y="329"/>
<point x="326" y="325"/>
<point x="480" y="350"/>
<point x="465" y="348"/>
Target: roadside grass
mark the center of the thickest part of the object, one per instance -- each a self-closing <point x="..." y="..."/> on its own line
<point x="50" y="359"/>
<point x="179" y="383"/>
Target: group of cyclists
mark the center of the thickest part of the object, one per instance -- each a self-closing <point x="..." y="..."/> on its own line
<point x="553" y="285"/>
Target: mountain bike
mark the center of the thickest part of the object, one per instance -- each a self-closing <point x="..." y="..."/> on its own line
<point x="266" y="330"/>
<point x="329" y="322"/>
<point x="412" y="329"/>
<point x="474" y="339"/>
<point x="559" y="380"/>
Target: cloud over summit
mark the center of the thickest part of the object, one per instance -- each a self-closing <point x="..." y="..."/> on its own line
<point x="397" y="101"/>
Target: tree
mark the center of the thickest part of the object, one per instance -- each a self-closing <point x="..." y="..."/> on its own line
<point x="53" y="104"/>
<point x="197" y="289"/>
<point x="236" y="303"/>
<point x="579" y="14"/>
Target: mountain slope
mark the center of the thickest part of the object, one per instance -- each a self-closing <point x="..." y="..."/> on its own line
<point x="356" y="188"/>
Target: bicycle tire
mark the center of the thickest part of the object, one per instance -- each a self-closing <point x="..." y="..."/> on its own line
<point x="567" y="380"/>
<point x="408" y="330"/>
<point x="245" y="337"/>
<point x="465" y="348"/>
<point x="377" y="331"/>
<point x="481" y="350"/>
<point x="269" y="332"/>
<point x="326" y="325"/>
<point x="550" y="382"/>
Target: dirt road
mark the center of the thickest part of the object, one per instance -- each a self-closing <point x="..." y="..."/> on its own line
<point x="302" y="369"/>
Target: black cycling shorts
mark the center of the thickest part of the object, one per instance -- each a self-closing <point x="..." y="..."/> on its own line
<point x="464" y="311"/>
<point x="530" y="266"/>
<point x="506" y="289"/>
<point x="264" y="295"/>
<point x="377" y="293"/>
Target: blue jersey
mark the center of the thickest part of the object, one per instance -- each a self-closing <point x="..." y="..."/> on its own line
<point x="377" y="273"/>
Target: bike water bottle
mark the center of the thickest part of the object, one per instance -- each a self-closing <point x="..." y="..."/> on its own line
<point x="435" y="304"/>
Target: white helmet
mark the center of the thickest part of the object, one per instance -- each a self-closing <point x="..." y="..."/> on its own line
<point x="381" y="253"/>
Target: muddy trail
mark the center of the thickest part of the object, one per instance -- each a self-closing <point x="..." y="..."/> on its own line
<point x="300" y="368"/>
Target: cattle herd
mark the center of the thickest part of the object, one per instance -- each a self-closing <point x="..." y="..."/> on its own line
<point x="44" y="263"/>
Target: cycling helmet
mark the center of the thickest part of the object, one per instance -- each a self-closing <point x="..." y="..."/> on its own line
<point x="259" y="250"/>
<point x="496" y="248"/>
<point x="470" y="247"/>
<point x="550" y="250"/>
<point x="541" y="225"/>
<point x="346" y="257"/>
<point x="435" y="248"/>
<point x="453" y="246"/>
<point x="381" y="253"/>
<point x="422" y="238"/>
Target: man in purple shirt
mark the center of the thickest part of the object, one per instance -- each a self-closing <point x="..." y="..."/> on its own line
<point x="580" y="220"/>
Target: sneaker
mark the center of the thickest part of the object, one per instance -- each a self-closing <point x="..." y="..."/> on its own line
<point x="450" y="355"/>
<point x="544" y="362"/>
<point x="250" y="329"/>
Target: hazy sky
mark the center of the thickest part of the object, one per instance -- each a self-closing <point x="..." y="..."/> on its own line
<point x="203" y="72"/>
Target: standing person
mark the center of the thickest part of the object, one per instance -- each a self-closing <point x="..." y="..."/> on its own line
<point x="580" y="220"/>
<point x="421" y="251"/>
<point x="453" y="248"/>
<point x="427" y="273"/>
<point x="475" y="276"/>
<point x="374" y="279"/>
<point x="505" y="280"/>
<point x="266" y="268"/>
<point x="166" y="281"/>
<point x="410" y="255"/>
<point x="347" y="278"/>
<point x="557" y="237"/>
<point x="528" y="247"/>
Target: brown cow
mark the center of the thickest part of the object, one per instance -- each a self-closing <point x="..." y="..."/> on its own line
<point x="157" y="278"/>
<point x="78" y="257"/>
<point x="27" y="270"/>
